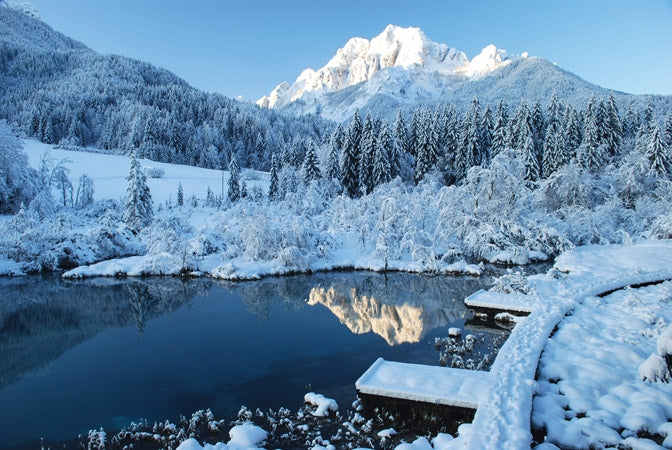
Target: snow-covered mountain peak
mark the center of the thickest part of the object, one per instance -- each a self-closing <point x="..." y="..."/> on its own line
<point x="26" y="8"/>
<point x="405" y="49"/>
<point x="489" y="59"/>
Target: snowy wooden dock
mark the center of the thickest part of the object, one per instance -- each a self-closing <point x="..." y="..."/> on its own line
<point x="427" y="384"/>
<point x="500" y="302"/>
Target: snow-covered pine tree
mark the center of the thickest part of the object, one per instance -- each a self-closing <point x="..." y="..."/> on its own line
<point x="464" y="156"/>
<point x="395" y="154"/>
<point x="499" y="137"/>
<point x="538" y="128"/>
<point x="590" y="153"/>
<point x="554" y="115"/>
<point x="401" y="132"/>
<point x="521" y="126"/>
<point x="367" y="150"/>
<point x="630" y="123"/>
<point x="572" y="133"/>
<point x="49" y="136"/>
<point x="332" y="171"/>
<point x="34" y="126"/>
<point x="150" y="140"/>
<point x="274" y="185"/>
<point x="475" y="133"/>
<point x="439" y="120"/>
<point x="138" y="212"/>
<point x="180" y="195"/>
<point x="413" y="131"/>
<point x="486" y="135"/>
<point x="426" y="148"/>
<point x="452" y="140"/>
<point x="500" y="131"/>
<point x="657" y="155"/>
<point x="554" y="153"/>
<point x="667" y="132"/>
<point x="645" y="129"/>
<point x="529" y="156"/>
<point x="234" y="180"/>
<point x="311" y="169"/>
<point x="382" y="169"/>
<point x="614" y="127"/>
<point x="350" y="157"/>
<point x="297" y="152"/>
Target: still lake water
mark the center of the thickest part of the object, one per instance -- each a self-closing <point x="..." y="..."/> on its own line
<point x="98" y="353"/>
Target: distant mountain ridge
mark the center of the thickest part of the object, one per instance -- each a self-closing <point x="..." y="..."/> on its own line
<point x="402" y="68"/>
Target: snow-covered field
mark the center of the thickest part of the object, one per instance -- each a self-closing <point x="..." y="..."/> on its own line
<point x="109" y="174"/>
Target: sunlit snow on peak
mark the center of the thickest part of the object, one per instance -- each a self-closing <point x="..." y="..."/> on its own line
<point x="360" y="60"/>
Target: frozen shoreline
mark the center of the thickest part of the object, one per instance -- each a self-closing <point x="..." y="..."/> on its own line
<point x="169" y="265"/>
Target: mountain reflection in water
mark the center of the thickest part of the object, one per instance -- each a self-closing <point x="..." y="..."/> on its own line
<point x="104" y="352"/>
<point x="400" y="310"/>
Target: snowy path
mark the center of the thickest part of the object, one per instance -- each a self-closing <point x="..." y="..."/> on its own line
<point x="503" y="421"/>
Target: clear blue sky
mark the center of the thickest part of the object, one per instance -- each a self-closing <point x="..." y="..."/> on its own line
<point x="247" y="47"/>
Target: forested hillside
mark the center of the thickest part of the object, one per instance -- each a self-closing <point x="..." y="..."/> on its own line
<point x="58" y="91"/>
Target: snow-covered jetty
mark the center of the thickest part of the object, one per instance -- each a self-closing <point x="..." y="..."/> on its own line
<point x="503" y="397"/>
<point x="427" y="384"/>
<point x="498" y="301"/>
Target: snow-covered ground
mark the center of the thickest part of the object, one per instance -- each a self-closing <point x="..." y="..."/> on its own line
<point x="590" y="391"/>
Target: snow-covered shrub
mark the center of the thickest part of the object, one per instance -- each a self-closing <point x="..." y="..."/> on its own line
<point x="154" y="172"/>
<point x="292" y="259"/>
<point x="514" y="281"/>
<point x="654" y="369"/>
<point x="168" y="234"/>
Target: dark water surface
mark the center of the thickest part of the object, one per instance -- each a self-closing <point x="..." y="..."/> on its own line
<point x="82" y="355"/>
